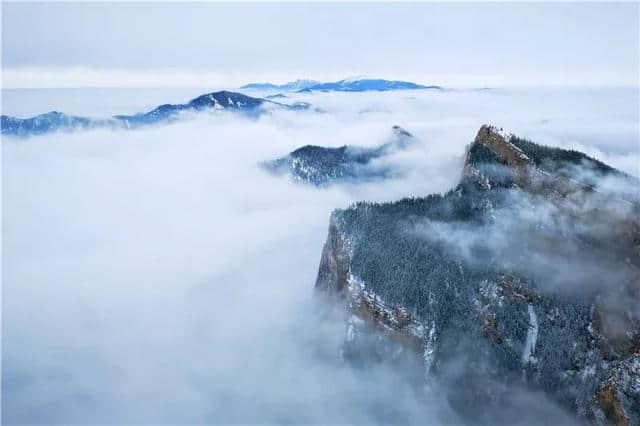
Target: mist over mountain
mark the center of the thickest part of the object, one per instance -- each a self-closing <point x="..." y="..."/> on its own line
<point x="215" y="101"/>
<point x="291" y="86"/>
<point x="346" y="85"/>
<point x="276" y="96"/>
<point x="162" y="276"/>
<point x="211" y="102"/>
<point x="441" y="228"/>
<point x="365" y="85"/>
<point x="506" y="287"/>
<point x="323" y="166"/>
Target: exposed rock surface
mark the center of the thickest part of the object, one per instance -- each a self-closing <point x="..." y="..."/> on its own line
<point x="484" y="322"/>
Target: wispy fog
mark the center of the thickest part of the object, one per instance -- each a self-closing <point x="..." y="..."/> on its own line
<point x="161" y="275"/>
<point x="574" y="247"/>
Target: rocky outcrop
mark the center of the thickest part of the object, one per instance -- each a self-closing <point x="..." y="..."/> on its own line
<point x="482" y="330"/>
<point x="333" y="273"/>
<point x="617" y="399"/>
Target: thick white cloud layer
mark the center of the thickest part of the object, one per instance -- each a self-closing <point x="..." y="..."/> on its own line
<point x="160" y="275"/>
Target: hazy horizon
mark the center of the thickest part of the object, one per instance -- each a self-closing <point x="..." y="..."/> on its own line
<point x="170" y="267"/>
<point x="222" y="45"/>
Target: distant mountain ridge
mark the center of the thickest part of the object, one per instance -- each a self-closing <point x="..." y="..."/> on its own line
<point x="290" y="86"/>
<point x="365" y="85"/>
<point x="222" y="100"/>
<point x="346" y="85"/>
<point x="215" y="101"/>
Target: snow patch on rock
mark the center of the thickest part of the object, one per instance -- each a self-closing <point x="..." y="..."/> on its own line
<point x="532" y="337"/>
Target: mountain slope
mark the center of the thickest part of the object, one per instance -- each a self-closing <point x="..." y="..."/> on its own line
<point x="347" y="85"/>
<point x="290" y="86"/>
<point x="496" y="287"/>
<point x="223" y="100"/>
<point x="43" y="123"/>
<point x="216" y="101"/>
<point x="323" y="166"/>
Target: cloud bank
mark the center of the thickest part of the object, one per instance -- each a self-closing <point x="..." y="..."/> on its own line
<point x="161" y="276"/>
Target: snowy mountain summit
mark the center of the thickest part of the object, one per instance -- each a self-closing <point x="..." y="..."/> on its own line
<point x="215" y="101"/>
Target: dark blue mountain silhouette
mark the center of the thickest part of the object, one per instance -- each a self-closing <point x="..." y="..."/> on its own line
<point x="364" y="85"/>
<point x="347" y="85"/>
<point x="322" y="166"/>
<point x="53" y="121"/>
<point x="290" y="86"/>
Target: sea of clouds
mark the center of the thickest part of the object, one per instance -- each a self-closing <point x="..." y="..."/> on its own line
<point x="161" y="276"/>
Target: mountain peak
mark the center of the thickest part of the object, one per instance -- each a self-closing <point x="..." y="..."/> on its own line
<point x="488" y="130"/>
<point x="221" y="100"/>
<point x="399" y="131"/>
<point x="368" y="84"/>
<point x="499" y="141"/>
<point x="322" y="166"/>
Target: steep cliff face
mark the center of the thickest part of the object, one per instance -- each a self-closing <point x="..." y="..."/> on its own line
<point x="485" y="298"/>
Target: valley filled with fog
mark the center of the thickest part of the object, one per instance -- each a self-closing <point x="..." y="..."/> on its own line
<point x="161" y="275"/>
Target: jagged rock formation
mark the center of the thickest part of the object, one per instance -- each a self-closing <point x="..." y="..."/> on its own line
<point x="216" y="101"/>
<point x="490" y="300"/>
<point x="323" y="166"/>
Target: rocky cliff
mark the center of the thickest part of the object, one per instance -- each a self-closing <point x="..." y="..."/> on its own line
<point x="523" y="278"/>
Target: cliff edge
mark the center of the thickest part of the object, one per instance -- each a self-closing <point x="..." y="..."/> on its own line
<point x="523" y="277"/>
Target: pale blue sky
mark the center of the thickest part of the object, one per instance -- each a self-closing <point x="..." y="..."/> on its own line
<point x="192" y="44"/>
